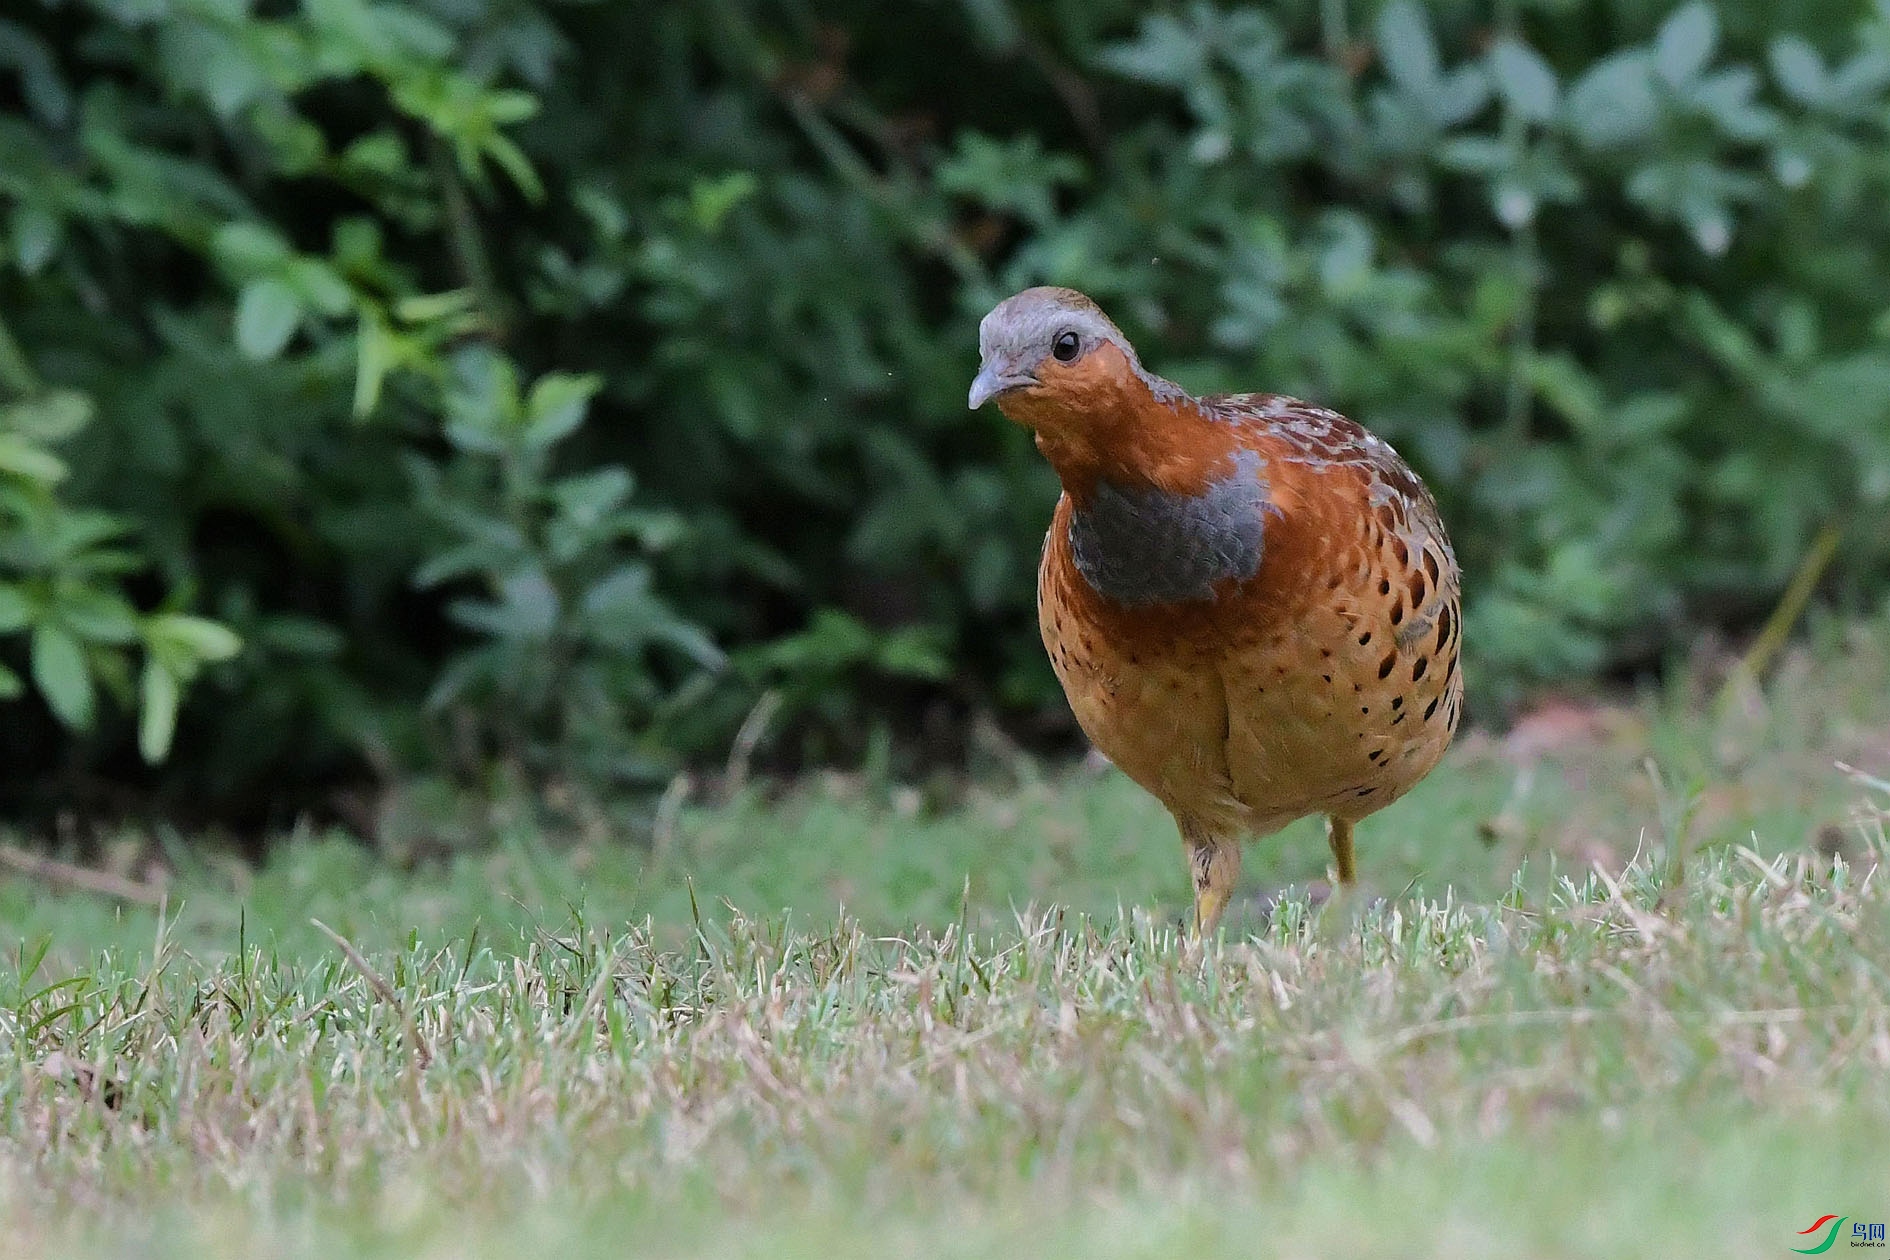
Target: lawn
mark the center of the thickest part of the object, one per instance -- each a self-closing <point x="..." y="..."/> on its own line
<point x="1618" y="985"/>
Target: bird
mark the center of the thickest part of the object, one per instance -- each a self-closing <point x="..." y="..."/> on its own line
<point x="1250" y="601"/>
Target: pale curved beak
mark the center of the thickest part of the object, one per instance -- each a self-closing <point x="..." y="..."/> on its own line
<point x="993" y="380"/>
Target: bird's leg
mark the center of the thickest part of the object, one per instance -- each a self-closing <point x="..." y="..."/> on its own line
<point x="1214" y="862"/>
<point x="1339" y="836"/>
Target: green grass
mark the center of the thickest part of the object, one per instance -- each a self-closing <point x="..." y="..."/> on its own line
<point x="1589" y="1009"/>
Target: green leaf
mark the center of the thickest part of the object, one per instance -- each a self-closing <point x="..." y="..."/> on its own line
<point x="157" y="715"/>
<point x="621" y="612"/>
<point x="996" y="24"/>
<point x="299" y="147"/>
<point x="24" y="459"/>
<point x="1865" y="75"/>
<point x="61" y="674"/>
<point x="16" y="610"/>
<point x="1405" y="44"/>
<point x="1800" y="71"/>
<point x="50" y="417"/>
<point x="1686" y="42"/>
<point x="1843" y="397"/>
<point x="41" y="84"/>
<point x="505" y="107"/>
<point x="267" y="312"/>
<point x="207" y="57"/>
<point x="1646" y="417"/>
<point x="833" y="640"/>
<point x="11" y="688"/>
<point x="712" y="198"/>
<point x="425" y="308"/>
<point x="914" y="652"/>
<point x="512" y="160"/>
<point x="556" y="407"/>
<point x="1797" y="333"/>
<point x="1480" y="155"/>
<point x="203" y="639"/>
<point x="656" y="530"/>
<point x="1525" y="80"/>
<point x="320" y="286"/>
<point x="407" y="30"/>
<point x="74" y="535"/>
<point x="585" y="499"/>
<point x="1458" y="97"/>
<point x="289" y="635"/>
<point x="97" y="616"/>
<point x="692" y="641"/>
<point x="36" y="235"/>
<point x="1166" y="52"/>
<point x="1562" y="383"/>
<point x="1016" y="176"/>
<point x="380" y="153"/>
<point x="482" y="399"/>
<point x="1613" y="104"/>
<point x="456" y="562"/>
<point x="377" y="351"/>
<point x="527" y="612"/>
<point x="245" y="248"/>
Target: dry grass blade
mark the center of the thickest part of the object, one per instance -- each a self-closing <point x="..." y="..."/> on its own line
<point x="747" y="738"/>
<point x="422" y="1053"/>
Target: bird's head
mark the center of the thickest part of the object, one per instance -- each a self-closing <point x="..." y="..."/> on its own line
<point x="1050" y="356"/>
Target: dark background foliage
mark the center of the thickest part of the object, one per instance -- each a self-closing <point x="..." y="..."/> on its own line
<point x="413" y="388"/>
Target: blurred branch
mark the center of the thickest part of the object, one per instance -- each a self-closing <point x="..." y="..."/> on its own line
<point x="1791" y="605"/>
<point x="52" y="871"/>
<point x="1077" y="96"/>
<point x="846" y="163"/>
<point x="463" y="237"/>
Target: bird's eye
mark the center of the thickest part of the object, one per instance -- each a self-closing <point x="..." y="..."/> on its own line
<point x="1065" y="346"/>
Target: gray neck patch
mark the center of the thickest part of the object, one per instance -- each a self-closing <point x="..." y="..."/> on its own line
<point x="1146" y="546"/>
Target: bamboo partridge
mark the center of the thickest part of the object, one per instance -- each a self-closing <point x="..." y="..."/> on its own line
<point x="1249" y="600"/>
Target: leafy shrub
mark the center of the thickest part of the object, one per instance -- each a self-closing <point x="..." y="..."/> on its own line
<point x="60" y="590"/>
<point x="569" y="615"/>
<point x="1611" y="274"/>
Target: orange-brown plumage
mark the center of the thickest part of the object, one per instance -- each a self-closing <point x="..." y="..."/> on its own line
<point x="1250" y="601"/>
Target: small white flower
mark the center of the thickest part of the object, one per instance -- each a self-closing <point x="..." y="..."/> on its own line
<point x="1515" y="207"/>
<point x="1210" y="147"/>
<point x="1714" y="235"/>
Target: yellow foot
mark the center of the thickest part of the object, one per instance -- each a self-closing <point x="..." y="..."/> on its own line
<point x="1209" y="905"/>
<point x="1215" y="864"/>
